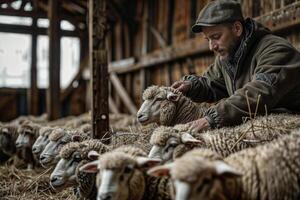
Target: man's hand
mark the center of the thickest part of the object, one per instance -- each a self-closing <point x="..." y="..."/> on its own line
<point x="182" y="86"/>
<point x="199" y="125"/>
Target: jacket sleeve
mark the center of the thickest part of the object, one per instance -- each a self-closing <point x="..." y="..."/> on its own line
<point x="276" y="74"/>
<point x="207" y="88"/>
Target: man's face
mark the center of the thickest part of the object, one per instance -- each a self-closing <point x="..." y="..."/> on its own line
<point x="223" y="39"/>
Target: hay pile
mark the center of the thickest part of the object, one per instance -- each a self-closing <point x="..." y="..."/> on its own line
<point x="24" y="185"/>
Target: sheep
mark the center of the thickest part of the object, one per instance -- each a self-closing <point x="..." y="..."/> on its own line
<point x="167" y="106"/>
<point x="122" y="176"/>
<point x="85" y="128"/>
<point x="171" y="142"/>
<point x="57" y="139"/>
<point x="78" y="121"/>
<point x="28" y="132"/>
<point x="42" y="140"/>
<point x="66" y="174"/>
<point x="269" y="171"/>
<point x="8" y="137"/>
<point x="140" y="137"/>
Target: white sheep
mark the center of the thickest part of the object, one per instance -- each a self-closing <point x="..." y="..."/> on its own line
<point x="42" y="140"/>
<point x="122" y="176"/>
<point x="57" y="139"/>
<point x="171" y="142"/>
<point x="66" y="174"/>
<point x="139" y="137"/>
<point x="167" y="106"/>
<point x="270" y="171"/>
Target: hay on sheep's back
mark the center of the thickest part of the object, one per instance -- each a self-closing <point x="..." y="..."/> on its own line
<point x="24" y="184"/>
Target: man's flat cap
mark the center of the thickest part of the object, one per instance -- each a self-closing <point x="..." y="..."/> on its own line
<point x="218" y="12"/>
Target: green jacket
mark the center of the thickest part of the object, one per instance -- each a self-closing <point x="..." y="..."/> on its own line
<point x="264" y="65"/>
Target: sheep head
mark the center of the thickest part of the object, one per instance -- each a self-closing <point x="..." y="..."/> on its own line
<point x="159" y="105"/>
<point x="57" y="139"/>
<point x="8" y="136"/>
<point x="64" y="175"/>
<point x="120" y="176"/>
<point x="72" y="156"/>
<point x="169" y="143"/>
<point x="196" y="177"/>
<point x="27" y="134"/>
<point x="41" y="142"/>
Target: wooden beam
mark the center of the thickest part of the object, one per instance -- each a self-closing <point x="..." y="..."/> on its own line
<point x="33" y="93"/>
<point x="282" y="19"/>
<point x="22" y="13"/>
<point x="189" y="48"/>
<point x="53" y="93"/>
<point x="41" y="14"/>
<point x="22" y="29"/>
<point x="98" y="59"/>
<point x="112" y="106"/>
<point x="121" y="91"/>
<point x="70" y="6"/>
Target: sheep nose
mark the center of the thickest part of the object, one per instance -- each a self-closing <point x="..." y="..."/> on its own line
<point x="106" y="196"/>
<point x="142" y="117"/>
<point x="18" y="144"/>
<point x="42" y="158"/>
<point x="53" y="179"/>
<point x="34" y="149"/>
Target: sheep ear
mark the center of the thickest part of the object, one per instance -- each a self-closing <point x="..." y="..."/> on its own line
<point x="76" y="138"/>
<point x="145" y="162"/>
<point x="5" y="130"/>
<point x="93" y="155"/>
<point x="187" y="138"/>
<point x="158" y="171"/>
<point x="90" y="167"/>
<point x="172" y="97"/>
<point x="223" y="168"/>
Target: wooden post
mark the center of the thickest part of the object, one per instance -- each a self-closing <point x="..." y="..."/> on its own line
<point x="98" y="59"/>
<point x="33" y="93"/>
<point x="53" y="93"/>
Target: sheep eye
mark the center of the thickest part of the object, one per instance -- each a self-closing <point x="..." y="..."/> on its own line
<point x="63" y="142"/>
<point x="127" y="169"/>
<point x="77" y="158"/>
<point x="159" y="98"/>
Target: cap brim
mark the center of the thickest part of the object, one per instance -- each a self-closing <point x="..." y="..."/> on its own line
<point x="197" y="28"/>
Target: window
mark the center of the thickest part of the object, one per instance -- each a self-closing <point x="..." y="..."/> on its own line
<point x="26" y="21"/>
<point x="69" y="60"/>
<point x="15" y="56"/>
<point x="15" y="60"/>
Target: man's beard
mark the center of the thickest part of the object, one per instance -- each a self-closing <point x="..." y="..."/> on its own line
<point x="233" y="48"/>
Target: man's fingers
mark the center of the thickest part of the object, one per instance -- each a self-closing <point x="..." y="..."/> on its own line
<point x="176" y="84"/>
<point x="182" y="88"/>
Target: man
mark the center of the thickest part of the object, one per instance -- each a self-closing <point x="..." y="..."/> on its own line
<point x="254" y="71"/>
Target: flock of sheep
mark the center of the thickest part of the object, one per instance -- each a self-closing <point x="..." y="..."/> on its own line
<point x="163" y="158"/>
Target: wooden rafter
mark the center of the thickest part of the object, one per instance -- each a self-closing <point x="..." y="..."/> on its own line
<point x="8" y="28"/>
<point x="122" y="92"/>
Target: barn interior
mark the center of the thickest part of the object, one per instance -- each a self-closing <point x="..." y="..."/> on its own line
<point x="70" y="58"/>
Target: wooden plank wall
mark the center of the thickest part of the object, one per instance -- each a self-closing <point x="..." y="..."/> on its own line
<point x="172" y="20"/>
